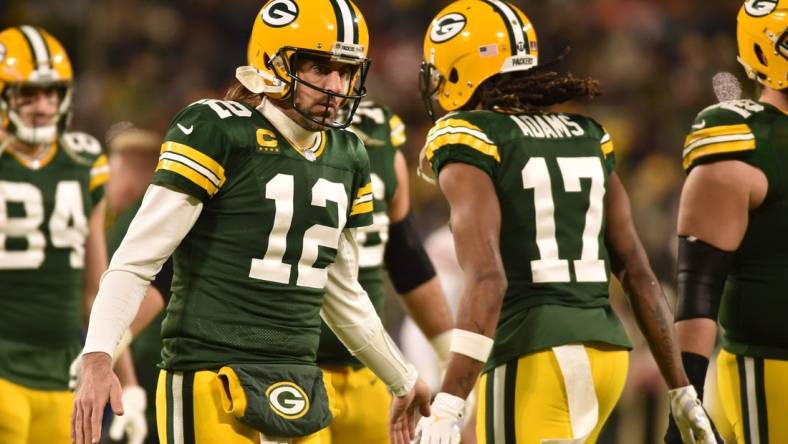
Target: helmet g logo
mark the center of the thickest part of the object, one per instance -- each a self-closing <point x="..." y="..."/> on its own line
<point x="279" y="13"/>
<point x="287" y="400"/>
<point x="2" y="52"/>
<point x="447" y="27"/>
<point x="760" y="8"/>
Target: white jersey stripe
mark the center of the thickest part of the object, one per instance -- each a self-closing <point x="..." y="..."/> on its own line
<point x="717" y="139"/>
<point x="458" y="129"/>
<point x="193" y="165"/>
<point x="37" y="42"/>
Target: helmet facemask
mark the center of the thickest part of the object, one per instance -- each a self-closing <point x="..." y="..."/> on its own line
<point x="33" y="134"/>
<point x="430" y="80"/>
<point x="285" y="66"/>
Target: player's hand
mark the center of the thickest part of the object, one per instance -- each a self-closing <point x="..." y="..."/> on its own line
<point x="402" y="418"/>
<point x="444" y="424"/>
<point x="132" y="423"/>
<point x="99" y="384"/>
<point x="75" y="373"/>
<point x="691" y="420"/>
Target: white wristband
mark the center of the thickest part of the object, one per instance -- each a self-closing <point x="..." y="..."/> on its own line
<point x="471" y="344"/>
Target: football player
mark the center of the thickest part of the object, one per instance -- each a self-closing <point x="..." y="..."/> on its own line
<point x="391" y="241"/>
<point x="540" y="219"/>
<point x="733" y="253"/>
<point x="258" y="198"/>
<point x="51" y="235"/>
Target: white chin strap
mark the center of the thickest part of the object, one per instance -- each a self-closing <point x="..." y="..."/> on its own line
<point x="258" y="81"/>
<point x="32" y="135"/>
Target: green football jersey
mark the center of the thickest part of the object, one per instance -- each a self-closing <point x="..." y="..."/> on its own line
<point x="755" y="298"/>
<point x="382" y="133"/>
<point x="45" y="208"/>
<point x="249" y="276"/>
<point x="550" y="172"/>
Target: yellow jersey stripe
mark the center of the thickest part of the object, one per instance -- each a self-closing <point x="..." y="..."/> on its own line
<point x="398" y="136"/>
<point x="361" y="208"/>
<point x="188" y="173"/>
<point x="462" y="138"/>
<point x="100" y="161"/>
<point x="205" y="161"/>
<point x="607" y="148"/>
<point x="715" y="131"/>
<point x="470" y="128"/>
<point x="366" y="189"/>
<point x="716" y="140"/>
<point x="98" y="180"/>
<point x="718" y="148"/>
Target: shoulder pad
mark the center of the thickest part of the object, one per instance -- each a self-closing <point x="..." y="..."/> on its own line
<point x="721" y="131"/>
<point x="726" y="113"/>
<point x="222" y="109"/>
<point x="464" y="128"/>
<point x="82" y="145"/>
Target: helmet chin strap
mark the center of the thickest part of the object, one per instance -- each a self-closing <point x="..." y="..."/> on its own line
<point x="32" y="135"/>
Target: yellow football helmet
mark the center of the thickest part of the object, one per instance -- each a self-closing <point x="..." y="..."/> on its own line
<point x="470" y="41"/>
<point x="31" y="58"/>
<point x="763" y="41"/>
<point x="287" y="29"/>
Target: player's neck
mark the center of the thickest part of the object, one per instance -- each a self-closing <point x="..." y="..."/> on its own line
<point x="775" y="98"/>
<point x="297" y="135"/>
<point x="27" y="151"/>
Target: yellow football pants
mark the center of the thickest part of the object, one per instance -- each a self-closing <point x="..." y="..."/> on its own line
<point x="30" y="416"/>
<point x="361" y="405"/>
<point x="189" y="411"/>
<point x="754" y="397"/>
<point x="561" y="395"/>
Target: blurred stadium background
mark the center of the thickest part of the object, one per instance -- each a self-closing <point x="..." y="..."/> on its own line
<point x="142" y="60"/>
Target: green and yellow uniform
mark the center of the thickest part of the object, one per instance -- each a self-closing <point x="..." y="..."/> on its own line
<point x="550" y="173"/>
<point x="45" y="207"/>
<point x="249" y="276"/>
<point x="754" y="337"/>
<point x="356" y="387"/>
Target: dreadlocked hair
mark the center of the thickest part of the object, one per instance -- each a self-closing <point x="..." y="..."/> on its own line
<point x="525" y="91"/>
<point x="238" y="93"/>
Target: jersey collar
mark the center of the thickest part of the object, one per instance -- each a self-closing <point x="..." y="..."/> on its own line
<point x="302" y="139"/>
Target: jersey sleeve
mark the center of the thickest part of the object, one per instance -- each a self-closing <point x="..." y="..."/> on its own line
<point x="99" y="175"/>
<point x="606" y="146"/>
<point x="458" y="139"/>
<point x="88" y="151"/>
<point x="721" y="132"/>
<point x="193" y="153"/>
<point x="397" y="130"/>
<point x="360" y="212"/>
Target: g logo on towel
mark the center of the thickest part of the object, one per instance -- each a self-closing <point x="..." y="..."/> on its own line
<point x="287" y="400"/>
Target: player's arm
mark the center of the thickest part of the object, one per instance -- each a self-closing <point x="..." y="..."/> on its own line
<point x="95" y="256"/>
<point x="630" y="264"/>
<point x="720" y="191"/>
<point x="411" y="270"/>
<point x="476" y="225"/>
<point x="348" y="311"/>
<point x="652" y="313"/>
<point x="164" y="218"/>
